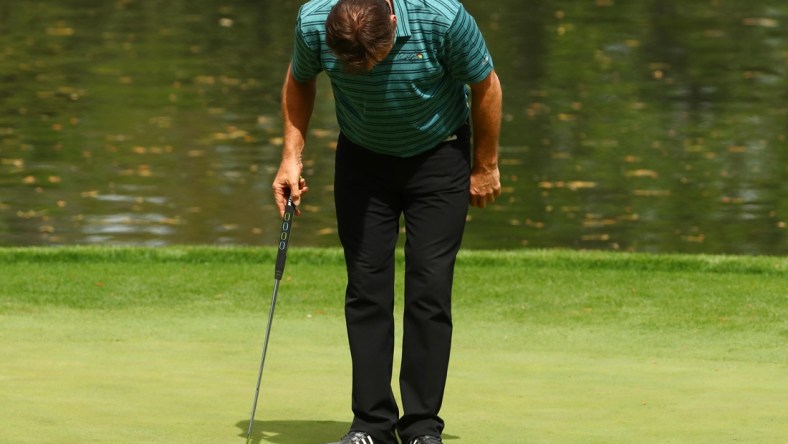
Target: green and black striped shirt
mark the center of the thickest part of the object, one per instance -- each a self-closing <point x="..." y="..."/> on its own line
<point x="414" y="98"/>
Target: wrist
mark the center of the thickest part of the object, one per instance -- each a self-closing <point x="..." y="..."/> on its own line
<point x="486" y="163"/>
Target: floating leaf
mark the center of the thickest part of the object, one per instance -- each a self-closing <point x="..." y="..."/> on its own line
<point x="144" y="170"/>
<point x="16" y="163"/>
<point x="652" y="193"/>
<point x="322" y="133"/>
<point x="566" y="117"/>
<point x="578" y="185"/>
<point x="232" y="133"/>
<point x="762" y="22"/>
<point x="31" y="214"/>
<point x="205" y="80"/>
<point x="598" y="223"/>
<point x="596" y="237"/>
<point x="61" y="31"/>
<point x="642" y="173"/>
<point x="694" y="239"/>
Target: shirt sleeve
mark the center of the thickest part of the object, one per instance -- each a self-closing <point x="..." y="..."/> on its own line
<point x="306" y="53"/>
<point x="467" y="57"/>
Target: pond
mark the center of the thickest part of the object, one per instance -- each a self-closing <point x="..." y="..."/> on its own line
<point x="648" y="126"/>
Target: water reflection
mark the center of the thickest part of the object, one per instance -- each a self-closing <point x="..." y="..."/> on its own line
<point x="647" y="126"/>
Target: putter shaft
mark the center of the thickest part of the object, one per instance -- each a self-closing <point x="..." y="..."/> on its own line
<point x="279" y="269"/>
<point x="262" y="359"/>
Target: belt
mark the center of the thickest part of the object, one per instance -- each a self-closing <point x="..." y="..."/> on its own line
<point x="455" y="135"/>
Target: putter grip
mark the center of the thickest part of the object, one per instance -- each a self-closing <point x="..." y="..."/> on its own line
<point x="284" y="239"/>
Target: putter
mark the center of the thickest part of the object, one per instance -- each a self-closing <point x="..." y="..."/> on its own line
<point x="279" y="270"/>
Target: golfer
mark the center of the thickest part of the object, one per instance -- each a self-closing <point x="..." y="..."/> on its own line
<point x="402" y="74"/>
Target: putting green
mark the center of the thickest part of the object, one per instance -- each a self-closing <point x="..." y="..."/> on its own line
<point x="556" y="352"/>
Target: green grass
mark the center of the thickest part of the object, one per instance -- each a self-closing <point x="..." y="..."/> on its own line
<point x="127" y="345"/>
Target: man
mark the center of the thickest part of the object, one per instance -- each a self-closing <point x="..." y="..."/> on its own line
<point x="399" y="70"/>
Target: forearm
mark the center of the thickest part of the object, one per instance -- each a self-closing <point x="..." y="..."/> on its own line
<point x="486" y="103"/>
<point x="486" y="106"/>
<point x="298" y="101"/>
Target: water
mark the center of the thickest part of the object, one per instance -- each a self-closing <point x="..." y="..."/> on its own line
<point x="654" y="126"/>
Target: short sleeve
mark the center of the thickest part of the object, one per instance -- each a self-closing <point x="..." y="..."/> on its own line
<point x="306" y="53"/>
<point x="466" y="55"/>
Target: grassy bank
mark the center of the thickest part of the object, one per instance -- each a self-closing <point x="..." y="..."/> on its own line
<point x="129" y="345"/>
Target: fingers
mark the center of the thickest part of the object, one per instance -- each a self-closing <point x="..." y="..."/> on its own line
<point x="485" y="188"/>
<point x="280" y="198"/>
<point x="297" y="192"/>
<point x="301" y="189"/>
<point x="481" y="201"/>
<point x="284" y="188"/>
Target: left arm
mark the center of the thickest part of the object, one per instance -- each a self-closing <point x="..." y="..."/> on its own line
<point x="486" y="103"/>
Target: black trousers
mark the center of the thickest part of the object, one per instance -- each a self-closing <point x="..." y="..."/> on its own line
<point x="371" y="192"/>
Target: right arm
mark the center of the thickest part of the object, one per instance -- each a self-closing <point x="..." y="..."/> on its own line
<point x="298" y="101"/>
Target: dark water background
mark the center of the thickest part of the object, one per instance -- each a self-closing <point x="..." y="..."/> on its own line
<point x="652" y="126"/>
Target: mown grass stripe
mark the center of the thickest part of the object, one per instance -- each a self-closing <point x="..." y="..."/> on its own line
<point x="512" y="259"/>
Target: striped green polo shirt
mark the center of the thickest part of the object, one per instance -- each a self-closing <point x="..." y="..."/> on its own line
<point x="414" y="98"/>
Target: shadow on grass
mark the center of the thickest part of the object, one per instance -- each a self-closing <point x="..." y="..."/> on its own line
<point x="299" y="432"/>
<point x="294" y="432"/>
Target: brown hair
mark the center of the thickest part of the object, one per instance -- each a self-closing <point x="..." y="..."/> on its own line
<point x="360" y="33"/>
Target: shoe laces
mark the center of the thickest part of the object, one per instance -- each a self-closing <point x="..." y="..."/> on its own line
<point x="359" y="438"/>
